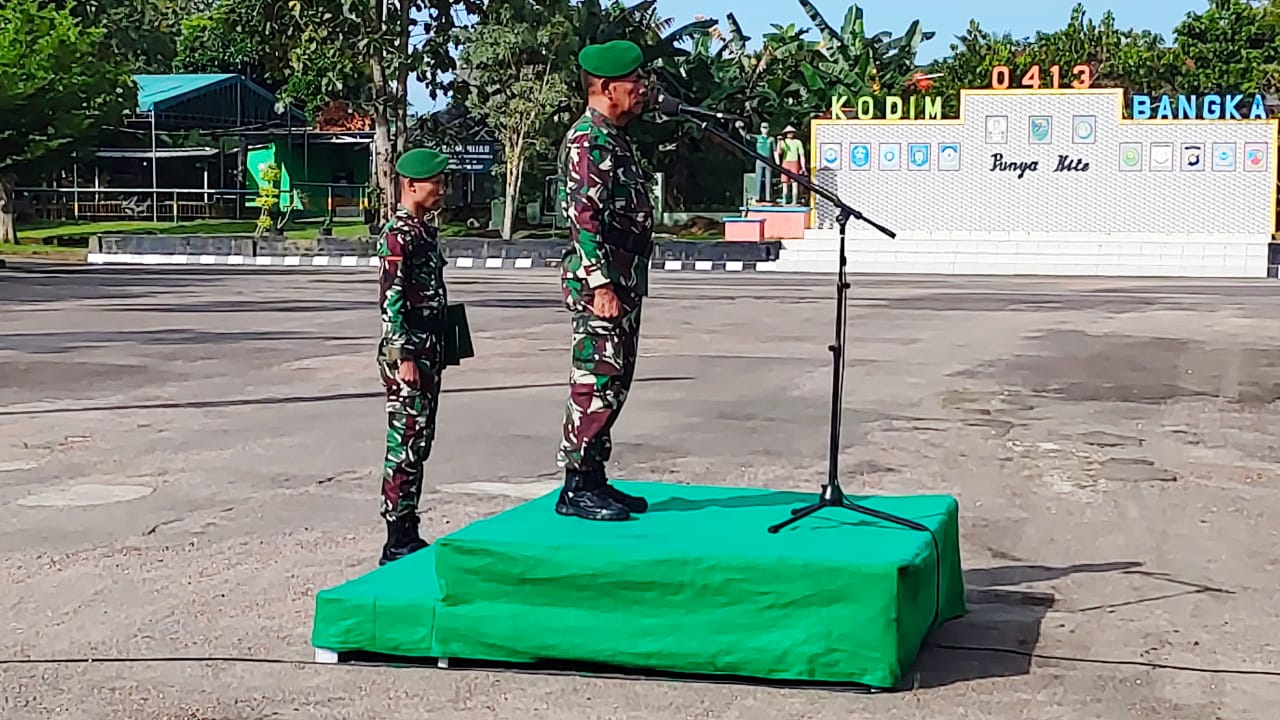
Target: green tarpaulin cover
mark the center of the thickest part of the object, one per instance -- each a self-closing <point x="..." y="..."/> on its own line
<point x="695" y="585"/>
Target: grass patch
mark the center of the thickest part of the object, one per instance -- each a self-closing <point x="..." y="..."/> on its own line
<point x="77" y="234"/>
<point x="456" y="230"/>
<point x="66" y="239"/>
<point x="85" y="230"/>
<point x="32" y="250"/>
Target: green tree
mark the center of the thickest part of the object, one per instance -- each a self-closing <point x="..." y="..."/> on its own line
<point x="973" y="56"/>
<point x="59" y="90"/>
<point x="214" y="42"/>
<point x="514" y="59"/>
<point x="1136" y="60"/>
<point x="1232" y="46"/>
<point x="387" y="41"/>
<point x="140" y="33"/>
<point x="210" y="42"/>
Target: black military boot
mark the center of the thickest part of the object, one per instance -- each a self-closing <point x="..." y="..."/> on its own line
<point x="633" y="503"/>
<point x="583" y="497"/>
<point x="402" y="539"/>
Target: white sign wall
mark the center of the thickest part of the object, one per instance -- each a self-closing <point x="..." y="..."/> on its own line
<point x="1049" y="182"/>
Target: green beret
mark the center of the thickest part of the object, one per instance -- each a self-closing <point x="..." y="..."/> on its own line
<point x="421" y="164"/>
<point x="611" y="60"/>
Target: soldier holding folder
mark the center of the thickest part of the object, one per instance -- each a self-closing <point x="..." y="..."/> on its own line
<point x="421" y="333"/>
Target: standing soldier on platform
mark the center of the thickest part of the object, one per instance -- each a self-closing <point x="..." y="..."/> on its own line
<point x="410" y="355"/>
<point x="604" y="194"/>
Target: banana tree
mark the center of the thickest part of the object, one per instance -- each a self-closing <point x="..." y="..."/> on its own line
<point x="855" y="64"/>
<point x="735" y="41"/>
<point x="783" y="89"/>
<point x="641" y="24"/>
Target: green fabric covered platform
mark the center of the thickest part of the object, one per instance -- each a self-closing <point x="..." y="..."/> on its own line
<point x="695" y="585"/>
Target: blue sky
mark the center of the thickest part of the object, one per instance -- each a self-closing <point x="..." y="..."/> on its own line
<point x="946" y="17"/>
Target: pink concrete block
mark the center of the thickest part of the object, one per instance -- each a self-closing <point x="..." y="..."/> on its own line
<point x="743" y="230"/>
<point x="782" y="223"/>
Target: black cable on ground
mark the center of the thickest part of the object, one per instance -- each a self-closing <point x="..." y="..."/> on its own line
<point x="1101" y="661"/>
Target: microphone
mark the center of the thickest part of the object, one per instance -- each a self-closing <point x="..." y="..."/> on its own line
<point x="672" y="107"/>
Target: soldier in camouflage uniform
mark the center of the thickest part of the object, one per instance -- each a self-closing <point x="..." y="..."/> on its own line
<point x="604" y="194"/>
<point x="410" y="354"/>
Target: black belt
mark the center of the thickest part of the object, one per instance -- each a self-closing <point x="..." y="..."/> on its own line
<point x="636" y="245"/>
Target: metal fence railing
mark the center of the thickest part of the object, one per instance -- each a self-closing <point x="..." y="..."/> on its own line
<point x="305" y="200"/>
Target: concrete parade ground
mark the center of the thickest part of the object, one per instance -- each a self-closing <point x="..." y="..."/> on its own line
<point x="188" y="454"/>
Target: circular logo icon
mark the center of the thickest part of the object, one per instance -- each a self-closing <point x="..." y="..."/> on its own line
<point x="1224" y="155"/>
<point x="831" y="155"/>
<point x="890" y="155"/>
<point x="1254" y="157"/>
<point x="1130" y="157"/>
<point x="1084" y="129"/>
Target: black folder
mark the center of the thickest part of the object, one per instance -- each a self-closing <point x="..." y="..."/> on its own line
<point x="457" y="335"/>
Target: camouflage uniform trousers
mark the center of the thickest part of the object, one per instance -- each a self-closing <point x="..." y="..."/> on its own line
<point x="604" y="365"/>
<point x="411" y="428"/>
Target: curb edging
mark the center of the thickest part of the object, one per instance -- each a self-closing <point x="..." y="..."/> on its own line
<point x="358" y="261"/>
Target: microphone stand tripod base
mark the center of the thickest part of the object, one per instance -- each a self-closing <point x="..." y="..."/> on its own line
<point x="832" y="496"/>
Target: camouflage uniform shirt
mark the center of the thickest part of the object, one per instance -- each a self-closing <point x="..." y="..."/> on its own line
<point x="412" y="290"/>
<point x="604" y="195"/>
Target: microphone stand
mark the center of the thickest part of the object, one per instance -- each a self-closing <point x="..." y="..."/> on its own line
<point x="832" y="494"/>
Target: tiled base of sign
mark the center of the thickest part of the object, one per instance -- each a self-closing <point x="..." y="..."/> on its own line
<point x="1118" y="255"/>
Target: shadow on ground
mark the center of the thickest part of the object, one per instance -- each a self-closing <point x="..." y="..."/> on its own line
<point x="62" y="283"/>
<point x="1078" y="366"/>
<point x="1003" y="620"/>
<point x="300" y="399"/>
<point x="43" y="343"/>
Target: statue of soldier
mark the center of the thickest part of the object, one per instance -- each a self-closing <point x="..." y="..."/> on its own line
<point x="764" y="173"/>
<point x="410" y="354"/>
<point x="605" y="196"/>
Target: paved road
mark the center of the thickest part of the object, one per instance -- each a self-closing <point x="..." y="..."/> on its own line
<point x="1112" y="444"/>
